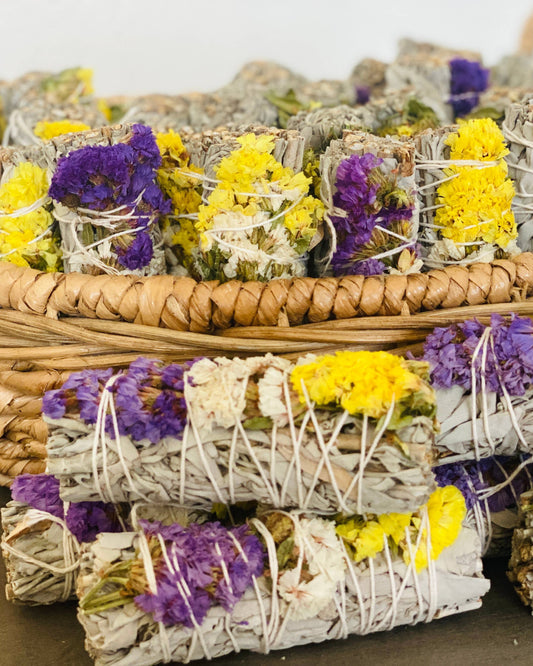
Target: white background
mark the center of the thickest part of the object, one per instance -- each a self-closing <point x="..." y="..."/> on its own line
<point x="172" y="46"/>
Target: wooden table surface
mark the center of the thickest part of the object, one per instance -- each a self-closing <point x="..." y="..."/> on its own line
<point x="501" y="632"/>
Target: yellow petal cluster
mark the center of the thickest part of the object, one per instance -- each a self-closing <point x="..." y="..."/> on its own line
<point x="251" y="172"/>
<point x="181" y="181"/>
<point x="366" y="537"/>
<point x="27" y="184"/>
<point x="475" y="204"/>
<point x="47" y="130"/>
<point x="361" y="382"/>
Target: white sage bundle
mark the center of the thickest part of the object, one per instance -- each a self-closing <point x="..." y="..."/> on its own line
<point x="465" y="195"/>
<point x="258" y="439"/>
<point x="255" y="222"/>
<point x="38" y="120"/>
<point x="41" y="555"/>
<point x="99" y="234"/>
<point x="368" y="186"/>
<point x="278" y="610"/>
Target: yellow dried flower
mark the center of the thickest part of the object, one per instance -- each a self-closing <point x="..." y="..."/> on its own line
<point x="475" y="203"/>
<point x="27" y="185"/>
<point x="361" y="382"/>
<point x="47" y="130"/>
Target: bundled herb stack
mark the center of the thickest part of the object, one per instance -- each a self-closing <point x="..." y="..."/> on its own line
<point x="466" y="195"/>
<point x="304" y="436"/>
<point x="155" y="596"/>
<point x="484" y="386"/>
<point x="368" y="184"/>
<point x="66" y="96"/>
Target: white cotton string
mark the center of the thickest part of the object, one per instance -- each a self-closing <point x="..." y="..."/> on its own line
<point x="394" y="234"/>
<point x="428" y="186"/>
<point x="148" y="565"/>
<point x="273" y="447"/>
<point x="360" y="599"/>
<point x="216" y="181"/>
<point x="394" y="598"/>
<point x="439" y="227"/>
<point x="274" y="573"/>
<point x="331" y="443"/>
<point x="372" y="609"/>
<point x="526" y="470"/>
<point x="432" y="573"/>
<point x="19" y="212"/>
<point x="203" y="458"/>
<point x="42" y="235"/>
<point x="118" y="440"/>
<point x="260" y="602"/>
<point x="481" y="516"/>
<point x="444" y="164"/>
<point x="484" y="401"/>
<point x="323" y="451"/>
<point x="506" y="477"/>
<point x="99" y="435"/>
<point x="16" y="119"/>
<point x="365" y="459"/>
<point x="473" y="372"/>
<point x="508" y="401"/>
<point x="107" y="403"/>
<point x="183" y="459"/>
<point x="296" y="441"/>
<point x="486" y="493"/>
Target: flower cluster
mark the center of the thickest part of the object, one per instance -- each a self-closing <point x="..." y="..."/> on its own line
<point x="83" y="519"/>
<point x="205" y="561"/>
<point x="371" y="234"/>
<point x="258" y="221"/>
<point x="365" y="536"/>
<point x="367" y="383"/>
<point x="196" y="567"/>
<point x="123" y="177"/>
<point x="311" y="562"/>
<point x="182" y="183"/>
<point x="47" y="130"/>
<point x="474" y="202"/>
<point x="26" y="238"/>
<point x="148" y="399"/>
<point x="506" y="359"/>
<point x="468" y="79"/>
